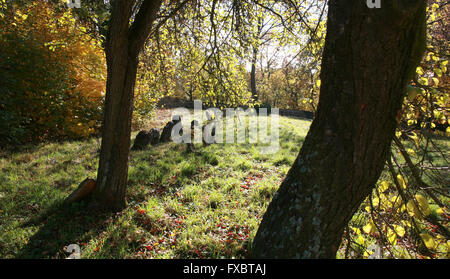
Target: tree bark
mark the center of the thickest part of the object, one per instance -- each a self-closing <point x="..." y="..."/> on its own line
<point x="253" y="75"/>
<point x="255" y="48"/>
<point x="123" y="45"/>
<point x="369" y="56"/>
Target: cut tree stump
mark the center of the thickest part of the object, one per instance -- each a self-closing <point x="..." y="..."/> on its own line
<point x="83" y="191"/>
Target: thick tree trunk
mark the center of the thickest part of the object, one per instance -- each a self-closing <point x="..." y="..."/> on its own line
<point x="369" y="56"/>
<point x="113" y="166"/>
<point x="122" y="51"/>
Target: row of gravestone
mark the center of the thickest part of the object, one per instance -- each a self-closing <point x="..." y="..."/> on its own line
<point x="155" y="136"/>
<point x="143" y="139"/>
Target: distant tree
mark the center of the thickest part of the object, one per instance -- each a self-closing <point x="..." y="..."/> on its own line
<point x="369" y="57"/>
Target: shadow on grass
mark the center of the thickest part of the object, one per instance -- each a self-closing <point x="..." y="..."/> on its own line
<point x="156" y="171"/>
<point x="6" y="149"/>
<point x="167" y="169"/>
<point x="61" y="225"/>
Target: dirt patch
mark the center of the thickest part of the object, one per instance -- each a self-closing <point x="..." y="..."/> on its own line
<point x="158" y="120"/>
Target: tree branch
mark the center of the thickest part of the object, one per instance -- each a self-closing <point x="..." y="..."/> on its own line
<point x="415" y="172"/>
<point x="142" y="25"/>
<point x="170" y="15"/>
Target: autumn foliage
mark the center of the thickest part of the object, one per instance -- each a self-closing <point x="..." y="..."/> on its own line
<point x="53" y="74"/>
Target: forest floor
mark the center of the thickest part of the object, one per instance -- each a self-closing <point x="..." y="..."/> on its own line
<point x="206" y="204"/>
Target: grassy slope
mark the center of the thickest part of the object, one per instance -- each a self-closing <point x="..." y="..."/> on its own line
<point x="181" y="205"/>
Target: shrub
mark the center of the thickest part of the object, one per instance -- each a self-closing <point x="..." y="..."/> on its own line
<point x="52" y="75"/>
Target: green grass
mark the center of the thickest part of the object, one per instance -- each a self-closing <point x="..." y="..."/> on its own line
<point x="180" y="205"/>
<point x="206" y="204"/>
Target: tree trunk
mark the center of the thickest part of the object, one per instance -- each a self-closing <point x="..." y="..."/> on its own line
<point x="122" y="50"/>
<point x="254" y="58"/>
<point x="113" y="166"/>
<point x="369" y="56"/>
<point x="253" y="75"/>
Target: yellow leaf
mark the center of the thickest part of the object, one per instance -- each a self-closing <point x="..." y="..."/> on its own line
<point x="436" y="81"/>
<point x="423" y="205"/>
<point x="392" y="237"/>
<point x="375" y="201"/>
<point x="411" y="151"/>
<point x="415" y="137"/>
<point x="360" y="240"/>
<point x="356" y="230"/>
<point x="399" y="230"/>
<point x="423" y="81"/>
<point x="419" y="70"/>
<point x="384" y="185"/>
<point x="369" y="227"/>
<point x="396" y="201"/>
<point x="406" y="223"/>
<point x="422" y="210"/>
<point x="401" y="181"/>
<point x="428" y="240"/>
<point x="412" y="209"/>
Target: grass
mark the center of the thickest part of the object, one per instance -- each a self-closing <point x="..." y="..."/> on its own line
<point x="206" y="204"/>
<point x="180" y="205"/>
